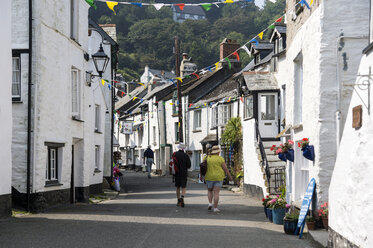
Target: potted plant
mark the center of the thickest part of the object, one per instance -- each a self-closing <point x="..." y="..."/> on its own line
<point x="279" y="152"/>
<point x="311" y="222"/>
<point x="278" y="206"/>
<point x="287" y="148"/>
<point x="291" y="221"/>
<point x="269" y="210"/>
<point x="308" y="150"/>
<point x="323" y="214"/>
<point x="265" y="202"/>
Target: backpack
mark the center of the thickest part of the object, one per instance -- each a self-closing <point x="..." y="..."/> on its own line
<point x="172" y="166"/>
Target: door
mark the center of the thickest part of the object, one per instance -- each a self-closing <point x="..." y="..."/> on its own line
<point x="268" y="114"/>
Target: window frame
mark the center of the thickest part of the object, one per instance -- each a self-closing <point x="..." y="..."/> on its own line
<point x="56" y="149"/>
<point x="97" y="118"/>
<point x="74" y="20"/>
<point x="97" y="157"/>
<point x="17" y="97"/>
<point x="248" y="106"/>
<point x="177" y="135"/>
<point x="76" y="114"/>
<point x="298" y="90"/>
<point x="197" y="122"/>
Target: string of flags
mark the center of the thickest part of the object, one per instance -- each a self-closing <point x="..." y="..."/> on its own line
<point x="206" y="6"/>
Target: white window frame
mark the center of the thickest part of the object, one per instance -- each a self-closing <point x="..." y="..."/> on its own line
<point x="298" y="90"/>
<point x="97" y="118"/>
<point x="75" y="93"/>
<point x="214" y="116"/>
<point x="74" y="20"/>
<point x="280" y="45"/>
<point x="226" y="113"/>
<point x="154" y="135"/>
<point x="140" y="136"/>
<point x="16" y="77"/>
<point x="197" y="123"/>
<point x="177" y="135"/>
<point x="53" y="162"/>
<point x="249" y="107"/>
<point x="97" y="157"/>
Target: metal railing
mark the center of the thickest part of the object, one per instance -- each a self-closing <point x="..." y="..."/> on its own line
<point x="279" y="179"/>
<point x="265" y="164"/>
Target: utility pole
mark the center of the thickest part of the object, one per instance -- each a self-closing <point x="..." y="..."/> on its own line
<point x="180" y="113"/>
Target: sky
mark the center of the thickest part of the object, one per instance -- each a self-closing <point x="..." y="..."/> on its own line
<point x="259" y="3"/>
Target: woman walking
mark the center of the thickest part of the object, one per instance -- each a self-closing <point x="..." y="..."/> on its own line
<point x="216" y="171"/>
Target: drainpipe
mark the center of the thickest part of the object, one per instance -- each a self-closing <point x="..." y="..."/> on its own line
<point x="338" y="114"/>
<point x="29" y="95"/>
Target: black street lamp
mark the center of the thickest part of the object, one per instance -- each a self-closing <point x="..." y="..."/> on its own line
<point x="101" y="60"/>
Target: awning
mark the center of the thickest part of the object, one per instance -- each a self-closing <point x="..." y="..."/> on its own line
<point x="208" y="139"/>
<point x="260" y="81"/>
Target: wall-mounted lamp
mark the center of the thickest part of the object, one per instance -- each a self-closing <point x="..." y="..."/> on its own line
<point x="100" y="60"/>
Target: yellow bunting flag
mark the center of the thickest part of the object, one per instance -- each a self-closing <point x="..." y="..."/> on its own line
<point x="260" y="35"/>
<point x="171" y="103"/>
<point x="179" y="124"/>
<point x="205" y="104"/>
<point x="229" y="1"/>
<point x="216" y="65"/>
<point x="111" y="5"/>
<point x="179" y="78"/>
<point x="311" y="2"/>
<point x="134" y="98"/>
<point x="103" y="82"/>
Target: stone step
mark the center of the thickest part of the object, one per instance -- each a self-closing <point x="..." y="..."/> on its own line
<point x="269" y="144"/>
<point x="266" y="150"/>
<point x="277" y="163"/>
<point x="270" y="158"/>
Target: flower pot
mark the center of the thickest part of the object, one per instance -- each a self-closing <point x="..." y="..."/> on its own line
<point x="309" y="152"/>
<point x="290" y="155"/>
<point x="290" y="226"/>
<point x="265" y="211"/>
<point x="269" y="214"/>
<point x="278" y="215"/>
<point x="311" y="225"/>
<point x="325" y="222"/>
<point x="282" y="156"/>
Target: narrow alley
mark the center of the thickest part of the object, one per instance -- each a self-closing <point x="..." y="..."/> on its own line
<point x="147" y="216"/>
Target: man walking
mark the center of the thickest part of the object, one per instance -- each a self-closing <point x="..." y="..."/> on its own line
<point x="183" y="162"/>
<point x="149" y="157"/>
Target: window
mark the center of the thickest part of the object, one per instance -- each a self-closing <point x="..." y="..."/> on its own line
<point x="280" y="45"/>
<point x="371" y="21"/>
<point x="97" y="118"/>
<point x="197" y="120"/>
<point x="257" y="59"/>
<point x="75" y="92"/>
<point x="298" y="89"/>
<point x="74" y="19"/>
<point x="226" y="113"/>
<point x="214" y="116"/>
<point x="177" y="136"/>
<point x="140" y="135"/>
<point x="54" y="152"/>
<point x="268" y="107"/>
<point x="249" y="107"/>
<point x="174" y="104"/>
<point x="16" y="79"/>
<point x="97" y="157"/>
<point x="127" y="139"/>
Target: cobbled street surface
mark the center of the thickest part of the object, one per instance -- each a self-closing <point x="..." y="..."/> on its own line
<point x="147" y="216"/>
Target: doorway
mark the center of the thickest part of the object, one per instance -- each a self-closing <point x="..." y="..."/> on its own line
<point x="268" y="114"/>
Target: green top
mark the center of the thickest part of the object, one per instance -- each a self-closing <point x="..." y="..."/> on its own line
<point x="214" y="170"/>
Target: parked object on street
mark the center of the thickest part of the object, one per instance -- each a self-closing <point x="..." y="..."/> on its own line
<point x="279" y="207"/>
<point x="311" y="223"/>
<point x="290" y="221"/>
<point x="216" y="171"/>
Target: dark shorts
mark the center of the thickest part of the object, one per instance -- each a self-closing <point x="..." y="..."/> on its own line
<point x="180" y="181"/>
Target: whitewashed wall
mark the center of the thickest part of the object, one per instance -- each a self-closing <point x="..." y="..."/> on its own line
<point x="316" y="40"/>
<point x="351" y="185"/>
<point x="5" y="100"/>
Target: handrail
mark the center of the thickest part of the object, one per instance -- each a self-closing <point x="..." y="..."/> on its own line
<point x="263" y="154"/>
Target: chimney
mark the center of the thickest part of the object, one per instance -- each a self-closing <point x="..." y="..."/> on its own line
<point x="227" y="47"/>
<point x="185" y="56"/>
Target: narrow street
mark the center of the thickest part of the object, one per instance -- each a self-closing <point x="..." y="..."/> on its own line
<point x="147" y="216"/>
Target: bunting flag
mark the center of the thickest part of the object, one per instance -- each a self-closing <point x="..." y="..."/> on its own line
<point x="305" y="3"/>
<point x="109" y="86"/>
<point x="171" y="103"/>
<point x="91" y="3"/>
<point x="122" y="93"/>
<point x="229" y="62"/>
<point x="178" y="124"/>
<point x="229" y="1"/>
<point x="141" y="84"/>
<point x="187" y="76"/>
<point x="137" y="4"/>
<point x="173" y="82"/>
<point x="260" y="35"/>
<point x="195" y="74"/>
<point x="209" y="68"/>
<point x="158" y="6"/>
<point x="216" y="66"/>
<point x="190" y="105"/>
<point x="271" y="27"/>
<point x="244" y="47"/>
<point x="111" y="5"/>
<point x="103" y="82"/>
<point x="237" y="56"/>
<point x="256" y="41"/>
<point x="206" y="6"/>
<point x="311" y="2"/>
<point x="134" y="98"/>
<point x="279" y="19"/>
<point x="179" y="78"/>
<point x="205" y="104"/>
<point x="241" y="98"/>
<point x="181" y="6"/>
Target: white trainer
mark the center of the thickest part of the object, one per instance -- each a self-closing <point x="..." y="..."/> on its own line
<point x="216" y="210"/>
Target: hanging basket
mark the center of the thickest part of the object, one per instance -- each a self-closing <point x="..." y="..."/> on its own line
<point x="282" y="156"/>
<point x="309" y="152"/>
<point x="290" y="155"/>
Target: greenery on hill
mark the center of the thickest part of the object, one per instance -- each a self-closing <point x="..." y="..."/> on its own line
<point x="146" y="36"/>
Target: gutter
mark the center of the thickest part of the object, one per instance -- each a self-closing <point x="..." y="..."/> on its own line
<point x="29" y="102"/>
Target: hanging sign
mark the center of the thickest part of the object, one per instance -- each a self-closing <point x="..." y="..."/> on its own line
<point x="305" y="206"/>
<point x="127" y="127"/>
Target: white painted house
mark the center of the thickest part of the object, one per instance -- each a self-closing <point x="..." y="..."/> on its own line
<point x="323" y="52"/>
<point x="351" y="185"/>
<point x="56" y="164"/>
<point x="6" y="111"/>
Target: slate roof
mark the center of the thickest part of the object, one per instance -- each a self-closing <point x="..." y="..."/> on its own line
<point x="261" y="46"/>
<point x="192" y="10"/>
<point x="256" y="81"/>
<point x="166" y="75"/>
